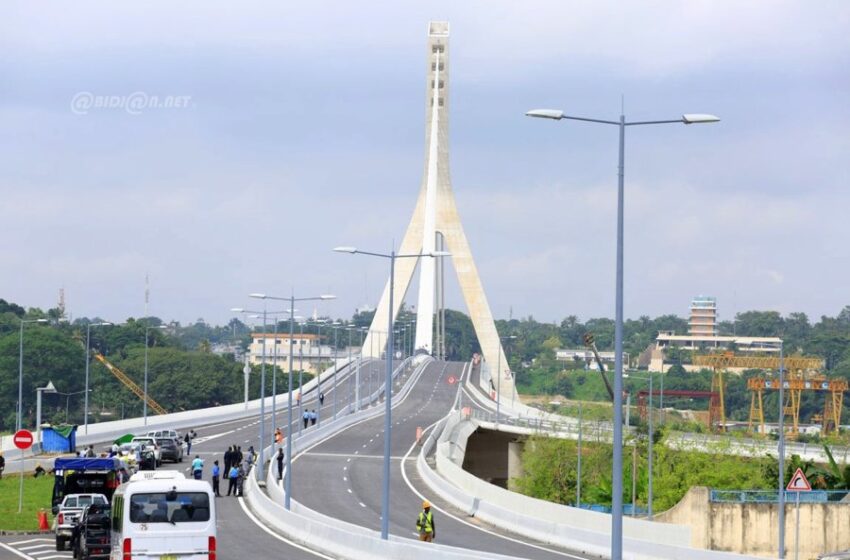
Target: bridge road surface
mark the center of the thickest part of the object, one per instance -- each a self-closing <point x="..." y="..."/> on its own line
<point x="238" y="533"/>
<point x="342" y="476"/>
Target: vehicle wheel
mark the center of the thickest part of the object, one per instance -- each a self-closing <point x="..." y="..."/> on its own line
<point x="60" y="543"/>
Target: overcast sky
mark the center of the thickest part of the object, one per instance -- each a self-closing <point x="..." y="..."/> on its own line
<point x="301" y="127"/>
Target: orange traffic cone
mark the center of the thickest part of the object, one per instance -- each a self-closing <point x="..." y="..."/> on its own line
<point x="43" y="525"/>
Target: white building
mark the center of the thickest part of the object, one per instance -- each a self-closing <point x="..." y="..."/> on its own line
<point x="307" y="350"/>
<point x="703" y="344"/>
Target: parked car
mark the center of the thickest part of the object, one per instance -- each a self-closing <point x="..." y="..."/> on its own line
<point x="148" y="443"/>
<point x="92" y="533"/>
<point x="170" y="450"/>
<point x="69" y="512"/>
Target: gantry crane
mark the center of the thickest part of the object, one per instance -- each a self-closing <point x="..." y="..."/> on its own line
<point x="721" y="362"/>
<point x="795" y="385"/>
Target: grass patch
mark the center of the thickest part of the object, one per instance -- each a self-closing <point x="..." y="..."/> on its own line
<point x="37" y="494"/>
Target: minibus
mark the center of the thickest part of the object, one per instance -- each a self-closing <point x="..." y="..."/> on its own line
<point x="161" y="515"/>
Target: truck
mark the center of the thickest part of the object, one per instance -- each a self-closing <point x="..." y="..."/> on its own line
<point x="92" y="535"/>
<point x="69" y="512"/>
<point x="77" y="480"/>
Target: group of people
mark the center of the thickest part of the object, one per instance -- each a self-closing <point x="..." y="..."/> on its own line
<point x="310" y="417"/>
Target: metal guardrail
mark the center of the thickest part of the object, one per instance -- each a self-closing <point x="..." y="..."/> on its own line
<point x="772" y="496"/>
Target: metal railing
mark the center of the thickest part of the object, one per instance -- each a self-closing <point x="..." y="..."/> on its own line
<point x="772" y="496"/>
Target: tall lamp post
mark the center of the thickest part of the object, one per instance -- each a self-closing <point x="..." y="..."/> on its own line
<point x="68" y="400"/>
<point x="499" y="377"/>
<point x="388" y="383"/>
<point x="262" y="436"/>
<point x="292" y="299"/>
<point x="617" y="466"/>
<point x="147" y="331"/>
<point x="650" y="451"/>
<point x="20" y="415"/>
<point x="88" y="367"/>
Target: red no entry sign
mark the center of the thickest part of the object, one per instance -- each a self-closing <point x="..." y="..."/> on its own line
<point x="23" y="439"/>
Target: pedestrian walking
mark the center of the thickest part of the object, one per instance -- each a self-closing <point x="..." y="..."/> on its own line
<point x="280" y="463"/>
<point x="425" y="523"/>
<point x="306" y="418"/>
<point x="197" y="467"/>
<point x="239" y="457"/>
<point x="251" y="455"/>
<point x="188" y="441"/>
<point x="232" y="475"/>
<point x="278" y="435"/>
<point x="321" y="399"/>
<point x="90" y="451"/>
<point x="313" y="417"/>
<point x="216" y="472"/>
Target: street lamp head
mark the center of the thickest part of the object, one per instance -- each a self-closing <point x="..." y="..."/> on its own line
<point x="344" y="249"/>
<point x="324" y="297"/>
<point x="698" y="118"/>
<point x="41" y="320"/>
<point x="257" y="296"/>
<point x="237" y="309"/>
<point x="555" y="114"/>
<point x="439" y="254"/>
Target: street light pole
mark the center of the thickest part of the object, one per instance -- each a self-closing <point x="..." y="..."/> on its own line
<point x="291" y="299"/>
<point x="617" y="464"/>
<point x="781" y="452"/>
<point x="388" y="382"/>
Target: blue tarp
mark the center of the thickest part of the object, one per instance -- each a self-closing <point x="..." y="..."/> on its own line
<point x="87" y="464"/>
<point x="52" y="441"/>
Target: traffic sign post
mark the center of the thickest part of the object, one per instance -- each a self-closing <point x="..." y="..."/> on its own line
<point x="798" y="483"/>
<point x="23" y="441"/>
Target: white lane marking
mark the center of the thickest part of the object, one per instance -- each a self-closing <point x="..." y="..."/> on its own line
<point x="16" y="552"/>
<point x="33" y="547"/>
<point x="362" y="504"/>
<point x="30" y="541"/>
<point x="345" y="479"/>
<point x="349" y="491"/>
<point x="66" y="556"/>
<point x="259" y="524"/>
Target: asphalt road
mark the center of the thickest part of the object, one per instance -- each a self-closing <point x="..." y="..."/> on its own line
<point x="238" y="531"/>
<point x="342" y="476"/>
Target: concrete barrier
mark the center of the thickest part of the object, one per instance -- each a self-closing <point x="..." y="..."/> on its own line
<point x="572" y="528"/>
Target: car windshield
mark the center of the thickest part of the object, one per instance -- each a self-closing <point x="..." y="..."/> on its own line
<point x="89" y="500"/>
<point x="169" y="507"/>
<point x="165" y="442"/>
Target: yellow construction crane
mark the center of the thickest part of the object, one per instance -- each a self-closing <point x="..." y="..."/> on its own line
<point x="795" y="385"/>
<point x="129" y="383"/>
<point x="726" y="360"/>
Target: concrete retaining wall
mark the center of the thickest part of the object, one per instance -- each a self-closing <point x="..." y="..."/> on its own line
<point x="752" y="528"/>
<point x="565" y="526"/>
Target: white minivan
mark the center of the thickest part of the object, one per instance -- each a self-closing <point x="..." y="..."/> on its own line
<point x="161" y="515"/>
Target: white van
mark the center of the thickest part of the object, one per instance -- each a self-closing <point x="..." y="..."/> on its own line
<point x="160" y="515"/>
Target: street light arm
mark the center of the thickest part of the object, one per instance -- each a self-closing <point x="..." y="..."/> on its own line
<point x="676" y="121"/>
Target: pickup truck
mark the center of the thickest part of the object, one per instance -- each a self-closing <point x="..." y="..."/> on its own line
<point x="92" y="534"/>
<point x="69" y="512"/>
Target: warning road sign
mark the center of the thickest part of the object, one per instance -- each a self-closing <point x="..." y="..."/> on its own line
<point x="799" y="482"/>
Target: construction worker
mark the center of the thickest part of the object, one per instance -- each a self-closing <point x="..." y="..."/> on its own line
<point x="425" y="523"/>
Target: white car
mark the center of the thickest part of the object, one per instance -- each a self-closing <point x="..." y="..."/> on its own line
<point x="148" y="443"/>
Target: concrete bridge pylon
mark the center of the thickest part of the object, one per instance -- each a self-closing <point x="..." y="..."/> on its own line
<point x="436" y="221"/>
